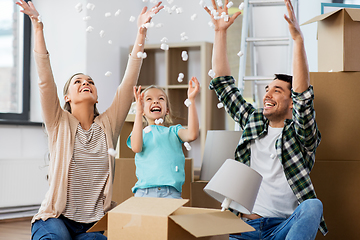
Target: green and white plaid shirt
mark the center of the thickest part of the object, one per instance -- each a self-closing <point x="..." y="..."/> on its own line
<point x="296" y="145"/>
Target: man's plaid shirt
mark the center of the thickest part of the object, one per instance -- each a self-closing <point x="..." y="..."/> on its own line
<point x="296" y="145"/>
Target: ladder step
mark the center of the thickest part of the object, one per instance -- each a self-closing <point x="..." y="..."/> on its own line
<point x="258" y="78"/>
<point x="267" y="3"/>
<point x="269" y="39"/>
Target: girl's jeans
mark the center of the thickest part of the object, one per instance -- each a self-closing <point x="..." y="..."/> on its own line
<point x="159" y="192"/>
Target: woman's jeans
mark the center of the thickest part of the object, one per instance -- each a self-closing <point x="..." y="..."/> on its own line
<point x="63" y="228"/>
<point x="158" y="192"/>
<point x="303" y="224"/>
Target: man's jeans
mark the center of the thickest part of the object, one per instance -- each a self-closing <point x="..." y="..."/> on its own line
<point x="303" y="224"/>
<point x="63" y="228"/>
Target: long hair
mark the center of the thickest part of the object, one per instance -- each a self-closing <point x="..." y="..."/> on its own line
<point x="67" y="105"/>
<point x="168" y="117"/>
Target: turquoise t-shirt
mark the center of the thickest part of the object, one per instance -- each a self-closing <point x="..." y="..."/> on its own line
<point x="161" y="161"/>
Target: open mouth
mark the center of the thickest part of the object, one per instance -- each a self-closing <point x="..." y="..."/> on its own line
<point x="269" y="104"/>
<point x="155" y="109"/>
<point x="85" y="90"/>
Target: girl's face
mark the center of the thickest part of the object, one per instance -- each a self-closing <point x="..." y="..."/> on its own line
<point x="155" y="104"/>
<point x="81" y="88"/>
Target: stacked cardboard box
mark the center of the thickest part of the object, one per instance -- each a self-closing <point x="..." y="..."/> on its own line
<point x="336" y="171"/>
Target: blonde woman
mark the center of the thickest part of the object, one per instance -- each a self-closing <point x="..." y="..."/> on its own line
<point x="81" y="171"/>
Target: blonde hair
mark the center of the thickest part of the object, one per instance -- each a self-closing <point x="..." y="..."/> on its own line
<point x="67" y="105"/>
<point x="168" y="117"/>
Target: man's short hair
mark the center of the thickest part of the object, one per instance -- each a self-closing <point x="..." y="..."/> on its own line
<point x="284" y="77"/>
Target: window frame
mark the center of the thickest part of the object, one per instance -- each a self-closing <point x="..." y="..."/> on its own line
<point x="24" y="116"/>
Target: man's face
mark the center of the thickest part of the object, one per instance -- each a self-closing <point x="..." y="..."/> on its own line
<point x="277" y="101"/>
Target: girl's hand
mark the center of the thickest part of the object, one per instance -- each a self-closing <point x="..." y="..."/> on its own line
<point x="221" y="24"/>
<point x="193" y="89"/>
<point x="139" y="100"/>
<point x="30" y="10"/>
<point x="146" y="16"/>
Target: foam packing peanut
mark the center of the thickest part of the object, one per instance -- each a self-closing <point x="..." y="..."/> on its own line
<point x="187" y="146"/>
<point x="230" y="4"/>
<point x="112" y="152"/>
<point x="147" y="129"/>
<point x="187" y="102"/>
<point x="211" y="73"/>
<point x="159" y="121"/>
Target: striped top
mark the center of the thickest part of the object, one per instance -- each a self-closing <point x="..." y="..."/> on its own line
<point x="88" y="172"/>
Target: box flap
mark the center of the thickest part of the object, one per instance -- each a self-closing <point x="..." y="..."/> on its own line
<point x="149" y="206"/>
<point x="321" y="17"/>
<point x="101" y="225"/>
<point x="353" y="13"/>
<point x="202" y="222"/>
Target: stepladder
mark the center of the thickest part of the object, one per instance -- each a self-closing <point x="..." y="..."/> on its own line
<point x="266" y="45"/>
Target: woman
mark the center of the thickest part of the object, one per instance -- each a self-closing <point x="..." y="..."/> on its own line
<point x="81" y="171"/>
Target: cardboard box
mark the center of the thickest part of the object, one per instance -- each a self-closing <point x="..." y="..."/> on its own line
<point x="337" y="114"/>
<point x="161" y="218"/>
<point x="125" y="178"/>
<point x="338" y="40"/>
<point x="336" y="184"/>
<point x="201" y="199"/>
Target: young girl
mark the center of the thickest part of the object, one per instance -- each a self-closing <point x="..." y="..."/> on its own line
<point x="81" y="171"/>
<point x="159" y="157"/>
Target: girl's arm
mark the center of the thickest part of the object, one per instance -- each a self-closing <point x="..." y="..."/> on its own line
<point x="136" y="136"/>
<point x="192" y="132"/>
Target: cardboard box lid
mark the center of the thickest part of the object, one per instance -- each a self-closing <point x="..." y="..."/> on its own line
<point x="149" y="206"/>
<point x="353" y="13"/>
<point x="141" y="206"/>
<point x="203" y="222"/>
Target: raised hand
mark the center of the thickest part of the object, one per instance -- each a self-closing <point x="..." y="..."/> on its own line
<point x="294" y="27"/>
<point x="30" y="10"/>
<point x="139" y="100"/>
<point x="193" y="89"/>
<point x="146" y="15"/>
<point x="221" y="24"/>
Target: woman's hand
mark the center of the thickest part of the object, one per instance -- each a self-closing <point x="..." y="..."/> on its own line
<point x="146" y="16"/>
<point x="220" y="24"/>
<point x="29" y="9"/>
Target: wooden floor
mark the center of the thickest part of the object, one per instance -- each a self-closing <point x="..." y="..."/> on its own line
<point x="19" y="229"/>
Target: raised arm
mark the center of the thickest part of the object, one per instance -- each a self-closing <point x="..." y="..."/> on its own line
<point x="192" y="132"/>
<point x="220" y="62"/>
<point x="120" y="106"/>
<point x="301" y="77"/>
<point x="50" y="103"/>
<point x="30" y="10"/>
<point x="136" y="136"/>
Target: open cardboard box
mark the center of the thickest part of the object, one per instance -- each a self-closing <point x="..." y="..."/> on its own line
<point x="162" y="218"/>
<point x="338" y="40"/>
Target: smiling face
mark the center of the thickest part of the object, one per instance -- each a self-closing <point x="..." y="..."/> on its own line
<point x="155" y="104"/>
<point x="277" y="102"/>
<point x="81" y="88"/>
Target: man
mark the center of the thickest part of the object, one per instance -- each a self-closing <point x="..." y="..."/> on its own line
<point x="279" y="141"/>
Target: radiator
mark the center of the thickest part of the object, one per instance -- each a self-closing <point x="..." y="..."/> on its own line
<point x="22" y="182"/>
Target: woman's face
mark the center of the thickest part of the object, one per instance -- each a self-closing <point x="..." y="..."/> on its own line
<point x="81" y="89"/>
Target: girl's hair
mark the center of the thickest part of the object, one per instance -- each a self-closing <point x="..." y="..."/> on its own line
<point x="168" y="117"/>
<point x="67" y="106"/>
